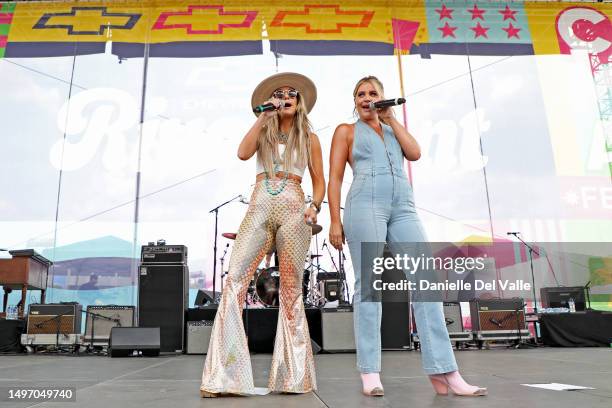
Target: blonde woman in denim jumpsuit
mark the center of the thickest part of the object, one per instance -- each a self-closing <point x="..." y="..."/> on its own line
<point x="380" y="208"/>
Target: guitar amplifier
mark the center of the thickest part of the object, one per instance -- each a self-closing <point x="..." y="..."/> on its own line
<point x="163" y="254"/>
<point x="497" y="314"/>
<point x="101" y="323"/>
<point x="48" y="319"/>
<point x="452" y="317"/>
<point x="337" y="330"/>
<point x="454" y="323"/>
<point x="560" y="296"/>
<point x="198" y="336"/>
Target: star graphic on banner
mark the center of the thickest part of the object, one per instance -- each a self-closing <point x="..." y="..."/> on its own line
<point x="447" y="30"/>
<point x="512" y="31"/>
<point x="508" y="13"/>
<point x="479" y="31"/>
<point x="445" y="12"/>
<point x="477" y="13"/>
<point x="571" y="198"/>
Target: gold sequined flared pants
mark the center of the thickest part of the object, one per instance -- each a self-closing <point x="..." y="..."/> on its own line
<point x="271" y="220"/>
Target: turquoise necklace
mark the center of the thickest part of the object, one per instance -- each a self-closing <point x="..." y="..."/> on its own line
<point x="282" y="138"/>
<point x="282" y="186"/>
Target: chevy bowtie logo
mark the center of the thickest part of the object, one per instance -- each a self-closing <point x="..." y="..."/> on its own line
<point x="87" y="21"/>
<point x="323" y="19"/>
<point x="205" y="19"/>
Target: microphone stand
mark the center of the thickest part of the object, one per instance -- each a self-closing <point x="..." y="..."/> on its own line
<point x="93" y="324"/>
<point x="531" y="252"/>
<point x="345" y="291"/>
<point x="520" y="344"/>
<point x="223" y="259"/>
<point x="216" y="211"/>
<point x="587" y="289"/>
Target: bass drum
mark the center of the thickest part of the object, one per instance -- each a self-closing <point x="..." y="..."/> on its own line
<point x="267" y="284"/>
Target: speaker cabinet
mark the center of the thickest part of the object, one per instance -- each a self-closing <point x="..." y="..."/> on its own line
<point x="560" y="296"/>
<point x="51" y="318"/>
<point x="100" y="319"/>
<point x="497" y="314"/>
<point x="198" y="336"/>
<point x="162" y="301"/>
<point x="124" y="341"/>
<point x="337" y="330"/>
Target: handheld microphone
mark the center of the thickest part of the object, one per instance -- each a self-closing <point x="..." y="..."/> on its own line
<point x="268" y="107"/>
<point x="387" y="102"/>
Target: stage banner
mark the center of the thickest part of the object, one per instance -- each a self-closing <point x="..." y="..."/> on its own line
<point x="6" y="16"/>
<point x="175" y="29"/>
<point x="208" y="28"/>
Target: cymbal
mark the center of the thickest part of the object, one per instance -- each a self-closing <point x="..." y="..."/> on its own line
<point x="229" y="235"/>
<point x="316" y="228"/>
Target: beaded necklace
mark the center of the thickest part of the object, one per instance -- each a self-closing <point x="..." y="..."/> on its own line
<point x="274" y="192"/>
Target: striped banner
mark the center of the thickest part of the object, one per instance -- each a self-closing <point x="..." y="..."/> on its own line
<point x="201" y="28"/>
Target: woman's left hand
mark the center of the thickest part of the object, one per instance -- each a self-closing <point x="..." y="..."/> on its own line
<point x="310" y="216"/>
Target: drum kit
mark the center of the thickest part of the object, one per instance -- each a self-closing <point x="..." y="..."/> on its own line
<point x="263" y="290"/>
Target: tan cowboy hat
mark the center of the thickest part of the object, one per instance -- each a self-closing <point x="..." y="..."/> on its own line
<point x="305" y="87"/>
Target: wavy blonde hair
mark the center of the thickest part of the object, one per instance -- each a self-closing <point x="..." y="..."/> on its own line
<point x="297" y="150"/>
<point x="375" y="83"/>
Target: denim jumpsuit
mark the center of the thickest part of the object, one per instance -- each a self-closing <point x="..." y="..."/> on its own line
<point x="380" y="208"/>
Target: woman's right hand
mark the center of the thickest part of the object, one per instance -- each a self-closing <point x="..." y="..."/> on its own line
<point x="336" y="235"/>
<point x="270" y="113"/>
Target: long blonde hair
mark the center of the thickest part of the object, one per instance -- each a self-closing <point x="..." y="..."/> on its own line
<point x="297" y="150"/>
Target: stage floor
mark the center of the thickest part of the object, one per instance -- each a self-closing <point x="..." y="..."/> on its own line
<point x="173" y="381"/>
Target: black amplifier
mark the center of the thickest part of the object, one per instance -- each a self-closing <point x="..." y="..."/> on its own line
<point x="163" y="254"/>
<point x="560" y="296"/>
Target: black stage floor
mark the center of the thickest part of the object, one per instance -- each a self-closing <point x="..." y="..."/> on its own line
<point x="173" y="381"/>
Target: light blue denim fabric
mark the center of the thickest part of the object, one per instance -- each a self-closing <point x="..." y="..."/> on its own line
<point x="380" y="208"/>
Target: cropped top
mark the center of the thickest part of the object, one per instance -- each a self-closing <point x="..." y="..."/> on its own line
<point x="298" y="171"/>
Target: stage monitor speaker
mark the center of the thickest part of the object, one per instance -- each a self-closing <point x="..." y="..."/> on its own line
<point x="337" y="331"/>
<point x="198" y="336"/>
<point x="204" y="298"/>
<point x="497" y="314"/>
<point x="54" y="317"/>
<point x="163" y="294"/>
<point x="560" y="296"/>
<point x="98" y="320"/>
<point x="124" y="341"/>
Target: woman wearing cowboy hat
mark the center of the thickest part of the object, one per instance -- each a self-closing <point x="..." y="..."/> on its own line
<point x="284" y="144"/>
